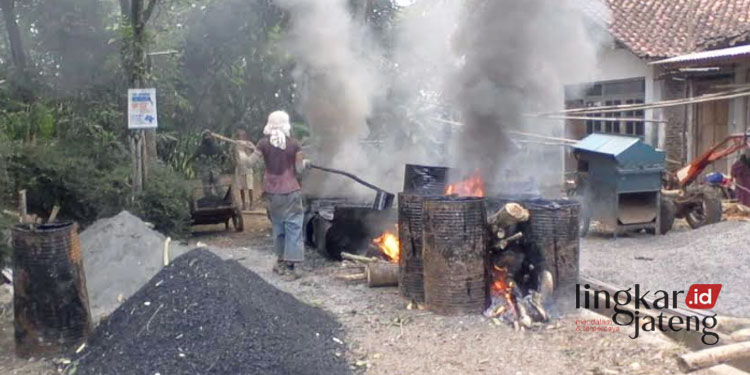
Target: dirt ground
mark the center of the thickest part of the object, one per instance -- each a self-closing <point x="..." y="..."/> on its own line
<point x="384" y="337"/>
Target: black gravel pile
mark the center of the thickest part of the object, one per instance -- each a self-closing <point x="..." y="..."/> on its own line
<point x="203" y="315"/>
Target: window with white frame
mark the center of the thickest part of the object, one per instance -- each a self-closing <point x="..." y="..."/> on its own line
<point x="612" y="93"/>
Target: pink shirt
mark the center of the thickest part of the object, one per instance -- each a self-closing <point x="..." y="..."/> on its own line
<point x="280" y="176"/>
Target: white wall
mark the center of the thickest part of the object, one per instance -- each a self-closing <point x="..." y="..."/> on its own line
<point x="619" y="63"/>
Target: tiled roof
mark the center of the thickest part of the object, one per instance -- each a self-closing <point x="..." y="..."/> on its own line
<point x="662" y="28"/>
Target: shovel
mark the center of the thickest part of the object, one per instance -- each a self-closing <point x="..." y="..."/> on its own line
<point x="383" y="199"/>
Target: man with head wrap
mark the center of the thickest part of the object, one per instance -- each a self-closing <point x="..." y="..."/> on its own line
<point x="741" y="176"/>
<point x="282" y="155"/>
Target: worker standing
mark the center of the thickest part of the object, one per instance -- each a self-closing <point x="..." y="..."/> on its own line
<point x="741" y="176"/>
<point x="243" y="172"/>
<point x="283" y="160"/>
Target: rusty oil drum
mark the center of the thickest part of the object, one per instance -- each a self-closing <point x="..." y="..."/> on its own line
<point x="554" y="230"/>
<point x="454" y="255"/>
<point x="425" y="180"/>
<point x="50" y="299"/>
<point x="410" y="277"/>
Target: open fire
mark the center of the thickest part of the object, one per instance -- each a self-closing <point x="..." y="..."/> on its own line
<point x="389" y="246"/>
<point x="470" y="187"/>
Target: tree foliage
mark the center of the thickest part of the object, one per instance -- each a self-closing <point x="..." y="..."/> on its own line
<point x="65" y="66"/>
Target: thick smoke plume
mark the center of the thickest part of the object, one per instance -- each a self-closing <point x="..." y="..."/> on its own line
<point x="487" y="61"/>
<point x="517" y="57"/>
<point x="336" y="80"/>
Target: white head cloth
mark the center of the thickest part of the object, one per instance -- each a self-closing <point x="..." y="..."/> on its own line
<point x="278" y="129"/>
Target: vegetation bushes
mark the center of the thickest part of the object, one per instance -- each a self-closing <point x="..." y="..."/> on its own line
<point x="164" y="202"/>
<point x="89" y="181"/>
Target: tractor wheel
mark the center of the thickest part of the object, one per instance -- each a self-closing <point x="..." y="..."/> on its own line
<point x="705" y="212"/>
<point x="238" y="221"/>
<point x="667" y="214"/>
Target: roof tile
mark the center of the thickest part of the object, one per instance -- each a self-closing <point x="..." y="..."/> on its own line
<point x="667" y="28"/>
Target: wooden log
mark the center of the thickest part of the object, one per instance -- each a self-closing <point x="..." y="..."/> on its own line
<point x="714" y="356"/>
<point x="22" y="206"/>
<point x="53" y="214"/>
<point x="497" y="232"/>
<point x="511" y="213"/>
<point x="357" y="258"/>
<point x="382" y="274"/>
<point x="352" y="277"/>
<point x="729" y="324"/>
<point x="166" y="251"/>
<point x="741" y="335"/>
<point x="507" y="241"/>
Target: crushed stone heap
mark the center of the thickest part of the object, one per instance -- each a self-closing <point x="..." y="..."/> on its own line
<point x="120" y="255"/>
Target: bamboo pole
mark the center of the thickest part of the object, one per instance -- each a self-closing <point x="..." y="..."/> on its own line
<point x="714" y="356"/>
<point x="655" y="105"/>
<point x="247" y="144"/>
<point x="628" y="119"/>
<point x="22" y="211"/>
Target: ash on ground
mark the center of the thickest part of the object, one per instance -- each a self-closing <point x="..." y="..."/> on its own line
<point x="120" y="255"/>
<point x="204" y="315"/>
<point x="714" y="254"/>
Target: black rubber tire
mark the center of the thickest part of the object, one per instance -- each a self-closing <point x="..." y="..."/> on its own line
<point x="666" y="216"/>
<point x="707" y="212"/>
<point x="238" y="221"/>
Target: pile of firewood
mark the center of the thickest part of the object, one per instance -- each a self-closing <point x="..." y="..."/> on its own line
<point x="519" y="287"/>
<point x="375" y="271"/>
<point x="736" y="211"/>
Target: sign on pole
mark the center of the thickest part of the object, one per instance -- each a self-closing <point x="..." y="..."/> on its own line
<point x="142" y="109"/>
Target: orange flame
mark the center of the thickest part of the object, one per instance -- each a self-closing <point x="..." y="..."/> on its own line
<point x="501" y="288"/>
<point x="471" y="187"/>
<point x="389" y="245"/>
<point x="500" y="283"/>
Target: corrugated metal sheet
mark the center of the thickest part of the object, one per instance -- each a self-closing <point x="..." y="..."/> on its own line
<point x="606" y="144"/>
<point x="707" y="56"/>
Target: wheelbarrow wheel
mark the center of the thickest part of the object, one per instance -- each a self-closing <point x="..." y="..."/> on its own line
<point x="238" y="221"/>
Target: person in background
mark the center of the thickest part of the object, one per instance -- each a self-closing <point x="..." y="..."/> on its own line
<point x="243" y="171"/>
<point x="209" y="160"/>
<point x="741" y="176"/>
<point x="282" y="156"/>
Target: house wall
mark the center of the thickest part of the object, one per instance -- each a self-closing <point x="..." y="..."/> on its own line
<point x="618" y="64"/>
<point x="673" y="133"/>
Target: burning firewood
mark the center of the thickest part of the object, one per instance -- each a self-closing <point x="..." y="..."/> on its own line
<point x="504" y="243"/>
<point x="357" y="258"/>
<point x="510" y="214"/>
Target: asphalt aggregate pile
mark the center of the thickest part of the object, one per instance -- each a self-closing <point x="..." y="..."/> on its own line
<point x="204" y="315"/>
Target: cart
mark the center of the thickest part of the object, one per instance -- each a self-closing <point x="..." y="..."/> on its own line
<point x="216" y="203"/>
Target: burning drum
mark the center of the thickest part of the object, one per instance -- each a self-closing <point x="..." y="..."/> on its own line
<point x="411" y="281"/>
<point x="553" y="227"/>
<point x="454" y="255"/>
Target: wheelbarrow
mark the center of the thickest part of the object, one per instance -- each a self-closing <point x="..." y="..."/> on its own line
<point x="216" y="203"/>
